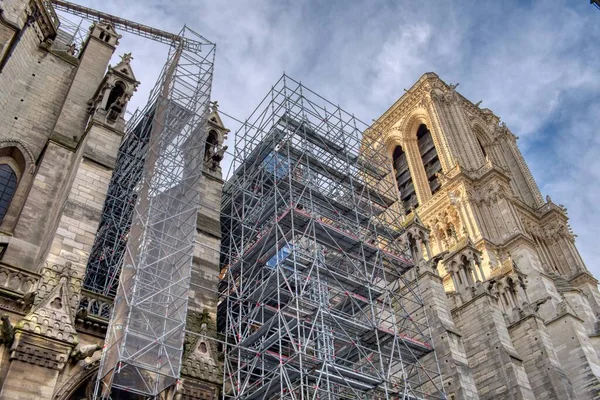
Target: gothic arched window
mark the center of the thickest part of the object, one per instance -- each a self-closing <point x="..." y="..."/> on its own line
<point x="115" y="94"/>
<point x="404" y="180"/>
<point x="8" y="186"/>
<point x="211" y="143"/>
<point x="482" y="149"/>
<point x="429" y="156"/>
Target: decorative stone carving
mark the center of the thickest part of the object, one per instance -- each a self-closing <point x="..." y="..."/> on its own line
<point x="46" y="335"/>
<point x="216" y="136"/>
<point x="81" y="352"/>
<point x="56" y="275"/>
<point x="17" y="280"/>
<point x="446" y="227"/>
<point x="109" y="103"/>
<point x="533" y="308"/>
<point x="40" y="351"/>
<point x="7" y="331"/>
<point x="27" y="300"/>
<point x="94" y="304"/>
<point x="492" y="193"/>
<point x="201" y="359"/>
<point x="53" y="316"/>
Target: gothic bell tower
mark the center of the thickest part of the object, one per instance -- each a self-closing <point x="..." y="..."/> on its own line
<point x="459" y="172"/>
<point x="460" y="169"/>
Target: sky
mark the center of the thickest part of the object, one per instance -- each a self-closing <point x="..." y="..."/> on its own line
<point x="535" y="64"/>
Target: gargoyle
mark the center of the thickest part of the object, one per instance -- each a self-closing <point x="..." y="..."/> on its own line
<point x="81" y="313"/>
<point x="28" y="299"/>
<point x="217" y="157"/>
<point x="535" y="306"/>
<point x="81" y="352"/>
<point x="7" y="332"/>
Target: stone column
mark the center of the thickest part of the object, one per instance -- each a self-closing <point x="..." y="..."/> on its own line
<point x="497" y="368"/>
<point x="576" y="354"/>
<point x="427" y="247"/>
<point x="477" y="265"/>
<point x="546" y="375"/>
<point x="455" y="281"/>
<point x="458" y="379"/>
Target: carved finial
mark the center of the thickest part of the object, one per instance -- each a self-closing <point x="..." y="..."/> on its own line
<point x="548" y="199"/>
<point x="126" y="58"/>
<point x="65" y="270"/>
<point x="214" y="105"/>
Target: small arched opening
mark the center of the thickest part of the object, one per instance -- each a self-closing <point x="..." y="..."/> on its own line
<point x="404" y="180"/>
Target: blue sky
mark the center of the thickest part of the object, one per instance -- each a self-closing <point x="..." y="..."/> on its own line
<point x="534" y="63"/>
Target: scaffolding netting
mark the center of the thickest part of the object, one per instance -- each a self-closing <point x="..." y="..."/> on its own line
<point x="315" y="302"/>
<point x="149" y="225"/>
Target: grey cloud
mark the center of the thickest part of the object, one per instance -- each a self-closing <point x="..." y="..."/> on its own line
<point x="533" y="63"/>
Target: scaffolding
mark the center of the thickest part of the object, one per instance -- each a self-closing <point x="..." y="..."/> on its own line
<point x="148" y="226"/>
<point x="315" y="302"/>
<point x="104" y="263"/>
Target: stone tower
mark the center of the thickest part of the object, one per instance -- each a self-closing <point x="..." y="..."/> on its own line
<point x="202" y="373"/>
<point x="512" y="303"/>
<point x="62" y="120"/>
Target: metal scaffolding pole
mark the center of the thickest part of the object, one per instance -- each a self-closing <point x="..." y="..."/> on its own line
<point x="315" y="300"/>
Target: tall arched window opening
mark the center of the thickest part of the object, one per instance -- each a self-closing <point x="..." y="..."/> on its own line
<point x="8" y="186"/>
<point x="115" y="94"/>
<point x="482" y="148"/>
<point x="429" y="156"/>
<point x="404" y="180"/>
<point x="212" y="142"/>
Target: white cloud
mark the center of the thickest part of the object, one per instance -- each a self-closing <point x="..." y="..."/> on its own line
<point x="535" y="64"/>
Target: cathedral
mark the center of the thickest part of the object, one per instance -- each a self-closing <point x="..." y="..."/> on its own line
<point x="511" y="311"/>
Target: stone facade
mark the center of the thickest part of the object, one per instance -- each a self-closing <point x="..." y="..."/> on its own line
<point x="513" y="308"/>
<point x="61" y="124"/>
<point x="511" y="304"/>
